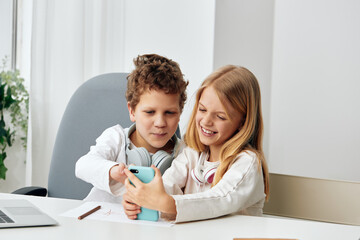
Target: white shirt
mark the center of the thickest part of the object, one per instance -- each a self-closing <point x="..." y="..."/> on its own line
<point x="240" y="191"/>
<point x="94" y="167"/>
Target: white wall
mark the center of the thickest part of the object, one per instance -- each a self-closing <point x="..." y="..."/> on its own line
<point x="181" y="30"/>
<point x="306" y="56"/>
<point x="315" y="100"/>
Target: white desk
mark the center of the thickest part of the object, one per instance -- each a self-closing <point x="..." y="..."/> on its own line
<point x="221" y="228"/>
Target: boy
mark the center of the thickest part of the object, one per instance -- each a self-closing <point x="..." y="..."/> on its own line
<point x="156" y="93"/>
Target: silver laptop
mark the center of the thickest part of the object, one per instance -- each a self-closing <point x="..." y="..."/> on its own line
<point x="22" y="213"/>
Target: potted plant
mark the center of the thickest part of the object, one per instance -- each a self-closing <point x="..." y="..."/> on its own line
<point x="14" y="109"/>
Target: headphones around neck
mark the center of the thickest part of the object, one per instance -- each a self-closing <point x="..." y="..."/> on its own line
<point x="202" y="174"/>
<point x="141" y="157"/>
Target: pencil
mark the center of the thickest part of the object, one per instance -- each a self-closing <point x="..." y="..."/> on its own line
<point x="89" y="212"/>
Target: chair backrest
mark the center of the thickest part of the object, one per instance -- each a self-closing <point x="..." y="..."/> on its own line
<point x="97" y="104"/>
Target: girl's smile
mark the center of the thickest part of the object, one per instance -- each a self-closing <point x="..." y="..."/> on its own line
<point x="207" y="132"/>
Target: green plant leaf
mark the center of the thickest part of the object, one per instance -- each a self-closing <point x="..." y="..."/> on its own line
<point x="8" y="99"/>
<point x="2" y="136"/>
<point x="2" y="92"/>
<point x="9" y="137"/>
<point x="2" y="122"/>
<point x="3" y="170"/>
<point x="3" y="156"/>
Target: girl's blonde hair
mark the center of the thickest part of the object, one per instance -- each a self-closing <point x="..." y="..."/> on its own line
<point x="240" y="88"/>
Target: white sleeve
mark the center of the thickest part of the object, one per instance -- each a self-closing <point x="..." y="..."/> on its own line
<point x="241" y="187"/>
<point x="176" y="175"/>
<point x="94" y="167"/>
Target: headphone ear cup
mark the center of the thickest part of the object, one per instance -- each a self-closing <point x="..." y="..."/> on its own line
<point x="138" y="157"/>
<point x="162" y="160"/>
<point x="144" y="156"/>
<point x="209" y="174"/>
<point x="197" y="175"/>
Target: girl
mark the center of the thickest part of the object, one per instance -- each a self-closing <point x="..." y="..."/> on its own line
<point x="224" y="135"/>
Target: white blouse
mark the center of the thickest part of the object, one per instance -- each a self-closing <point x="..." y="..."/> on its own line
<point x="240" y="191"/>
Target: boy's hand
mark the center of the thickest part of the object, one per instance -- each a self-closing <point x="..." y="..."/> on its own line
<point x="130" y="209"/>
<point x="117" y="173"/>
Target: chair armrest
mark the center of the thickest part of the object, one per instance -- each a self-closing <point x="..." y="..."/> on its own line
<point x="35" y="191"/>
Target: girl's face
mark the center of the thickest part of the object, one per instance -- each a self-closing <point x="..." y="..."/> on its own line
<point x="213" y="125"/>
<point x="157" y="116"/>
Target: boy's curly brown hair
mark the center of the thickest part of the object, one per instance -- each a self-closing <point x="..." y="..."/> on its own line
<point x="155" y="72"/>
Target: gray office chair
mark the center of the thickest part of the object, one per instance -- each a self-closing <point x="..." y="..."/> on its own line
<point x="97" y="104"/>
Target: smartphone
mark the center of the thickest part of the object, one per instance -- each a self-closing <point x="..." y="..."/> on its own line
<point x="145" y="174"/>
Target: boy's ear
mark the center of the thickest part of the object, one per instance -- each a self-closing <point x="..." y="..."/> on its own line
<point x="131" y="112"/>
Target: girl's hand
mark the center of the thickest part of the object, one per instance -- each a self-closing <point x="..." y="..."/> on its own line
<point x="117" y="173"/>
<point x="130" y="209"/>
<point x="151" y="195"/>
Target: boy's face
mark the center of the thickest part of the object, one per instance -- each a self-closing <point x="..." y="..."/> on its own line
<point x="157" y="116"/>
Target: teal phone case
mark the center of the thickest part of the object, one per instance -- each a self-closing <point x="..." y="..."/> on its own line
<point x="145" y="174"/>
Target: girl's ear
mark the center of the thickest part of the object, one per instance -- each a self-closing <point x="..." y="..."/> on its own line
<point x="131" y="112"/>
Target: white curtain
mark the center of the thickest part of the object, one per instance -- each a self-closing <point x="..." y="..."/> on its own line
<point x="72" y="41"/>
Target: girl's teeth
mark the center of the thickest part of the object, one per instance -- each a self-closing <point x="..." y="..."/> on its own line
<point x="207" y="131"/>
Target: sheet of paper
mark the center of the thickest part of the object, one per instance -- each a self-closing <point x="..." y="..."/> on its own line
<point x="110" y="212"/>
